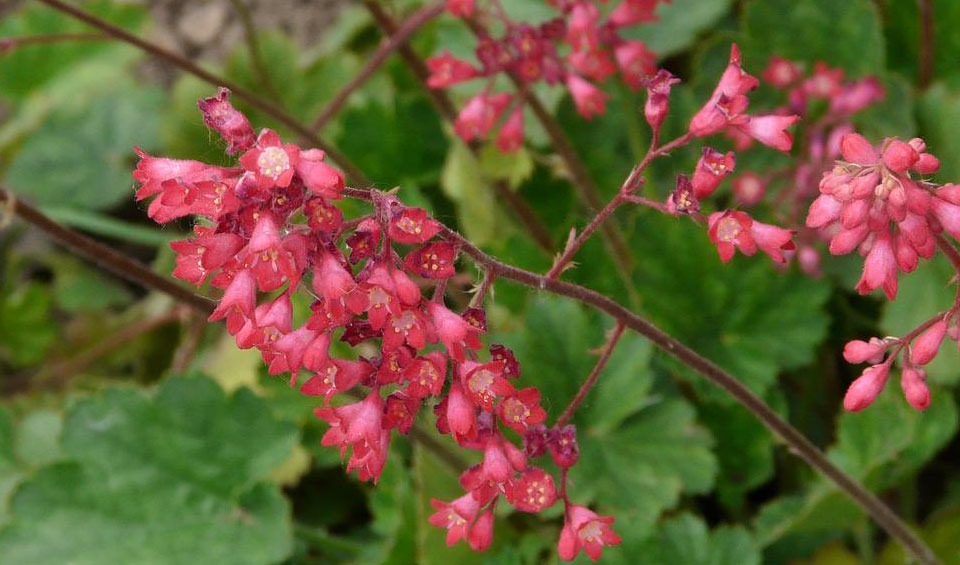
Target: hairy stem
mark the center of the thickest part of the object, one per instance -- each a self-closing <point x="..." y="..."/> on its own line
<point x="522" y="211"/>
<point x="591" y="380"/>
<point x="185" y="64"/>
<point x="104" y="256"/>
<point x="10" y="43"/>
<point x="390" y="44"/>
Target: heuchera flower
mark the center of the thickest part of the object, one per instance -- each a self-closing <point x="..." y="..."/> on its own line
<point x="584" y="530"/>
<point x="870" y="203"/>
<point x="446" y="71"/>
<point x="275" y="222"/>
<point x="589" y="99"/>
<point x="728" y="101"/>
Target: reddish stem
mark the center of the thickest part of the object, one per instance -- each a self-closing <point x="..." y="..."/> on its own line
<point x="591" y="380"/>
<point x="11" y="43"/>
<point x="950" y="251"/>
<point x="521" y="210"/>
<point x="392" y="43"/>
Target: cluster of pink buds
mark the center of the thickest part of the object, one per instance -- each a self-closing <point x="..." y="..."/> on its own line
<point x="271" y="226"/>
<point x="870" y="203"/>
<point x="577" y="47"/>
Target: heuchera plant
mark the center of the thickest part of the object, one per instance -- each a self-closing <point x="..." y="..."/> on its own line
<point x="271" y="227"/>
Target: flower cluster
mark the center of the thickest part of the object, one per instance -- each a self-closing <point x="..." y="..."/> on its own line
<point x="870" y="202"/>
<point x="724" y="111"/>
<point x="578" y="48"/>
<point x="271" y="227"/>
<point x="827" y="102"/>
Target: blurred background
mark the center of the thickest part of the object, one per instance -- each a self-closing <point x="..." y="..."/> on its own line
<point x="132" y="431"/>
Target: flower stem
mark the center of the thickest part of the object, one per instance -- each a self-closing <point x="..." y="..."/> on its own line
<point x="592" y="378"/>
<point x="104" y="256"/>
<point x="391" y="44"/>
<point x="185" y="64"/>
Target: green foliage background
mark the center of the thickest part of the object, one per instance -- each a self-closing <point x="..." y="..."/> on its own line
<point x="120" y="458"/>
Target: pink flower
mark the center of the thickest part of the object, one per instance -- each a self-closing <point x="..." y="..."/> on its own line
<point x="584" y="530"/>
<point x="711" y="168"/>
<point x="412" y="226"/>
<point x="432" y="261"/>
<point x="358" y="426"/>
<point x="481" y="534"/>
<point x="593" y="63"/>
<point x="426" y="375"/>
<point x="230" y="123"/>
<point x="658" y="98"/>
<point x="728" y="101"/>
<point x="521" y="410"/>
<point x="453" y="331"/>
<point x="863" y="391"/>
<point x="589" y="99"/>
<point x="483" y="384"/>
<point x="272" y="162"/>
<point x="730" y="231"/>
<point x="456" y="517"/>
<point x="631" y="12"/>
<point x="447" y="70"/>
<point x="635" y="61"/>
<point x="781" y="72"/>
<point x="510" y="137"/>
<point x="480" y="114"/>
<point x="749" y="189"/>
<point x="772" y="240"/>
<point x="771" y="130"/>
<point x="238" y="302"/>
<point x="880" y="268"/>
<point x="563" y="446"/>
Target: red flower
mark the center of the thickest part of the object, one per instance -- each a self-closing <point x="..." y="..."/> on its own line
<point x="866" y="388"/>
<point x="636" y="62"/>
<point x="532" y="491"/>
<point x="728" y="101"/>
<point x="426" y="375"/>
<point x="711" y="168"/>
<point x="455" y="333"/>
<point x="412" y="226"/>
<point x="432" y="261"/>
<point x="729" y="231"/>
<point x="521" y="410"/>
<point x="358" y="426"/>
<point x="510" y="138"/>
<point x="456" y="516"/>
<point x="319" y="177"/>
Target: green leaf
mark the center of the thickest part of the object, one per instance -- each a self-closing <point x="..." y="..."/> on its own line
<point x="82" y="157"/>
<point x="748" y="317"/>
<point x="174" y="477"/>
<point x="435" y="480"/>
<point x="30" y="68"/>
<point x="938" y="110"/>
<point x="640" y="469"/>
<point x="880" y="446"/>
<point x="921" y="295"/>
<point x="513" y="167"/>
<point x="686" y="539"/>
<point x="744" y="450"/>
<point x="463" y="182"/>
<point x="680" y="23"/>
<point x="842" y="34"/>
<point x="27" y="329"/>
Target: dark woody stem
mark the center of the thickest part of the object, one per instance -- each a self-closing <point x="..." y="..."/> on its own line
<point x="591" y="380"/>
<point x="102" y="255"/>
<point x="185" y="64"/>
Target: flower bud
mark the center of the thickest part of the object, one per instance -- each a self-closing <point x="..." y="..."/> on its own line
<point x="925" y="347"/>
<point x="864" y="390"/>
<point x="858" y="351"/>
<point x="913" y="383"/>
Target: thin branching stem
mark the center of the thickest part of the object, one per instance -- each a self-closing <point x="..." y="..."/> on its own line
<point x="592" y="378"/>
